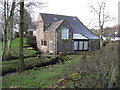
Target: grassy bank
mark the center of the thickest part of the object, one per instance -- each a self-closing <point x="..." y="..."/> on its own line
<point x="43" y="76"/>
<point x="15" y="48"/>
<point x="14" y="52"/>
<point x="0" y="48"/>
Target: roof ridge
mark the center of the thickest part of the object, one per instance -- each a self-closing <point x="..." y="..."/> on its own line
<point x="58" y="20"/>
<point x="58" y="15"/>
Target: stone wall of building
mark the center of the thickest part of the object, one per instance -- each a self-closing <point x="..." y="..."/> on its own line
<point x="64" y="45"/>
<point x="40" y="33"/>
<point x="50" y="38"/>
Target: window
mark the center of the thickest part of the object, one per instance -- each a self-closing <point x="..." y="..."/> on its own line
<point x="51" y="46"/>
<point x="80" y="45"/>
<point x="65" y="33"/>
<point x="30" y="32"/>
<point x="75" y="45"/>
<point x="43" y="42"/>
<point x="85" y="45"/>
<point x="55" y="18"/>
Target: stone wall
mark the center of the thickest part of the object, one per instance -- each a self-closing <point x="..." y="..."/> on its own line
<point x="64" y="45"/>
<point x="50" y="37"/>
<point x="40" y="33"/>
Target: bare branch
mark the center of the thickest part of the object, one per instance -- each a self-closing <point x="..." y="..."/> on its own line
<point x="93" y="9"/>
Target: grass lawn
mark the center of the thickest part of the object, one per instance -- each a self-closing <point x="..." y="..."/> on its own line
<point x="94" y="69"/>
<point x="42" y="77"/>
<point x="0" y="48"/>
<point x="15" y="48"/>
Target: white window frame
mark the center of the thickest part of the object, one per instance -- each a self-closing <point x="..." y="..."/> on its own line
<point x="66" y="32"/>
<point x="80" y="45"/>
<point x="86" y="45"/>
<point x="75" y="45"/>
<point x="83" y="45"/>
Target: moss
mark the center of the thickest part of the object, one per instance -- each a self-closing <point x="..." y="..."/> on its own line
<point x="75" y="76"/>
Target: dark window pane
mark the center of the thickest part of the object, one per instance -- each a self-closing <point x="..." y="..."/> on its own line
<point x="42" y="43"/>
<point x="45" y="43"/>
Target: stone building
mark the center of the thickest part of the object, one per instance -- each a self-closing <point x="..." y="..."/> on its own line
<point x="64" y="34"/>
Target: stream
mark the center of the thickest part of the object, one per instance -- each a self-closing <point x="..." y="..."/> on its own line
<point x="14" y="73"/>
<point x="9" y="74"/>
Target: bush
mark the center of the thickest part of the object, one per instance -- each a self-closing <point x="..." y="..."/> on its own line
<point x="31" y="40"/>
<point x="99" y="68"/>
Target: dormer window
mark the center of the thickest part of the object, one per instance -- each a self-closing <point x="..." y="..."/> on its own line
<point x="74" y="18"/>
<point x="65" y="33"/>
<point x="47" y="25"/>
<point x="55" y="18"/>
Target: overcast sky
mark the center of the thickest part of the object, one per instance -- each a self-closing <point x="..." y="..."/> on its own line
<point x="79" y="8"/>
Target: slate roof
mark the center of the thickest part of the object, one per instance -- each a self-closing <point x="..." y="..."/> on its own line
<point x="53" y="26"/>
<point x="74" y="22"/>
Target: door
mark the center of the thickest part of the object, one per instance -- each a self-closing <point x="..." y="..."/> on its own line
<point x="51" y="46"/>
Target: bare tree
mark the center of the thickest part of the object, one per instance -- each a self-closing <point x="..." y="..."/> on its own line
<point x="10" y="27"/>
<point x="101" y="16"/>
<point x="5" y="33"/>
<point x="7" y="19"/>
<point x="9" y="10"/>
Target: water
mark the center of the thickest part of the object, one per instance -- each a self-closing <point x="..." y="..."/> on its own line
<point x="9" y="74"/>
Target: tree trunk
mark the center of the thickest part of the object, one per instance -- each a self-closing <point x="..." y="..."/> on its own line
<point x="21" y="54"/>
<point x="9" y="39"/>
<point x="5" y="34"/>
<point x="102" y="41"/>
<point x="10" y="27"/>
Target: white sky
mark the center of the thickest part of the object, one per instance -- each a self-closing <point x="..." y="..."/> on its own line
<point x="79" y="8"/>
